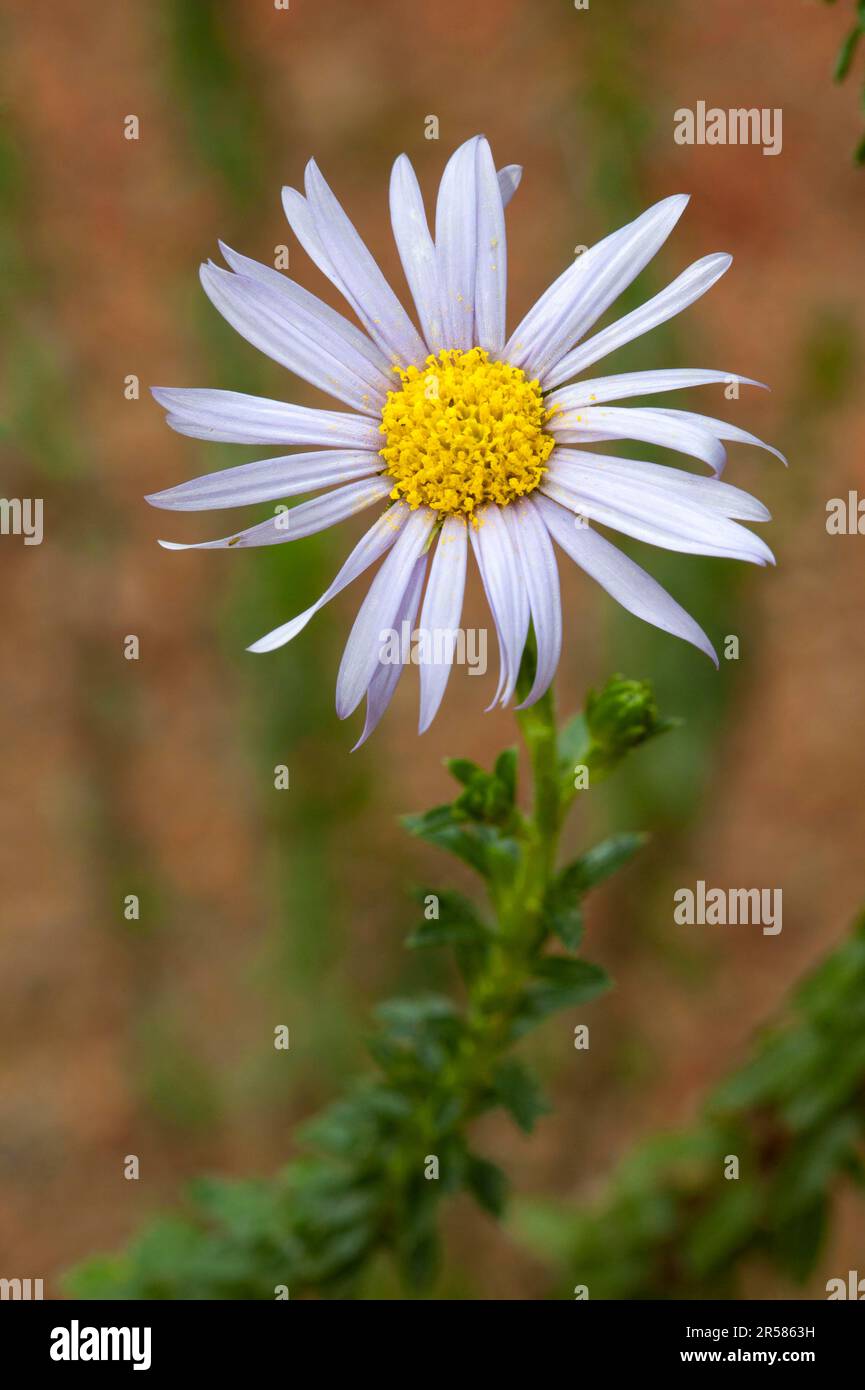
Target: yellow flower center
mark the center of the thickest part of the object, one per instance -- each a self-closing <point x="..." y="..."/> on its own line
<point x="463" y="431"/>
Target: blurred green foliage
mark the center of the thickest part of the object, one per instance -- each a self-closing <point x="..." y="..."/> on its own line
<point x="845" y="58"/>
<point x="671" y="1224"/>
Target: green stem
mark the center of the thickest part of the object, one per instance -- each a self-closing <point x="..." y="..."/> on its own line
<point x="521" y="935"/>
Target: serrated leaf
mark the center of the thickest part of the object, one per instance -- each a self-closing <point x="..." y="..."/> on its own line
<point x="518" y="1090"/>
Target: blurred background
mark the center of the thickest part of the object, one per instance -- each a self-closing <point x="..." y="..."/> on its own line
<point x="155" y="777"/>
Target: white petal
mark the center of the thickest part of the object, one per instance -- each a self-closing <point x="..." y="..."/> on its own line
<point x="600" y="389"/>
<point x="379" y="538"/>
<point x="267" y="479"/>
<point x="732" y="434"/>
<point x="624" y="580"/>
<point x="302" y="342"/>
<point x="416" y="248"/>
<point x="509" y="181"/>
<point x="234" y="418"/>
<point x="359" y="277"/>
<point x="440" y="619"/>
<point x="492" y="254"/>
<point x="630" y="422"/>
<point x="378" y="612"/>
<point x="592" y="283"/>
<point x="383" y="684"/>
<point x="291" y="525"/>
<point x="505" y="587"/>
<point x="528" y="339"/>
<point x="494" y="590"/>
<point x="687" y="287"/>
<point x="583" y="466"/>
<point x="295" y="296"/>
<point x="541" y="577"/>
<point x="657" y="516"/>
<point x="456" y="244"/>
<point x="299" y="216"/>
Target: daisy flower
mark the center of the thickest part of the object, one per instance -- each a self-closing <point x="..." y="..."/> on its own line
<point x="462" y="438"/>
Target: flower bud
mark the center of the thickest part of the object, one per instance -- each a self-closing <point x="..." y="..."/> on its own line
<point x="622" y="716"/>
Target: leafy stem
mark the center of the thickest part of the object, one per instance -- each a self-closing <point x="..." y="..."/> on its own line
<point x="384" y="1156"/>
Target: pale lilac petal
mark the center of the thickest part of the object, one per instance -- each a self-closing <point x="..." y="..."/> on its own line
<point x="529" y="337"/>
<point x="541" y="577"/>
<point x="593" y="423"/>
<point x="591" y="285"/>
<point x="442" y="610"/>
<point x="386" y="679"/>
<point x="494" y="590"/>
<point x="492" y="262"/>
<point x="379" y="538"/>
<point x="292" y="524"/>
<point x="295" y="296"/>
<point x="267" y="479"/>
<point x="687" y="287"/>
<point x="299" y="217"/>
<point x="656" y="516"/>
<point x="234" y="418"/>
<point x="579" y="466"/>
<point x="301" y="342"/>
<point x="456" y="244"/>
<point x="416" y="249"/>
<point x="509" y="181"/>
<point x="378" y="612"/>
<point x="731" y="434"/>
<point x="624" y="580"/>
<point x="506" y="591"/>
<point x="599" y="390"/>
<point x="359" y="277"/>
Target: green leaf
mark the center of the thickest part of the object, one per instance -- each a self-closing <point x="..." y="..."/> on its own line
<point x="505" y="773"/>
<point x="846" y="54"/>
<point x="723" y="1228"/>
<point x="599" y="863"/>
<point x="797" y="1243"/>
<point x="487" y="1184"/>
<point x="518" y="1090"/>
<point x="562" y="914"/>
<point x="485" y="848"/>
<point x="457" y="922"/>
<point x="559" y="984"/>
<point x="574" y="743"/>
<point x="463" y="769"/>
<point x="442" y="827"/>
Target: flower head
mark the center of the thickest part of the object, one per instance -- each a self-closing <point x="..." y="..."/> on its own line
<point x="464" y="439"/>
